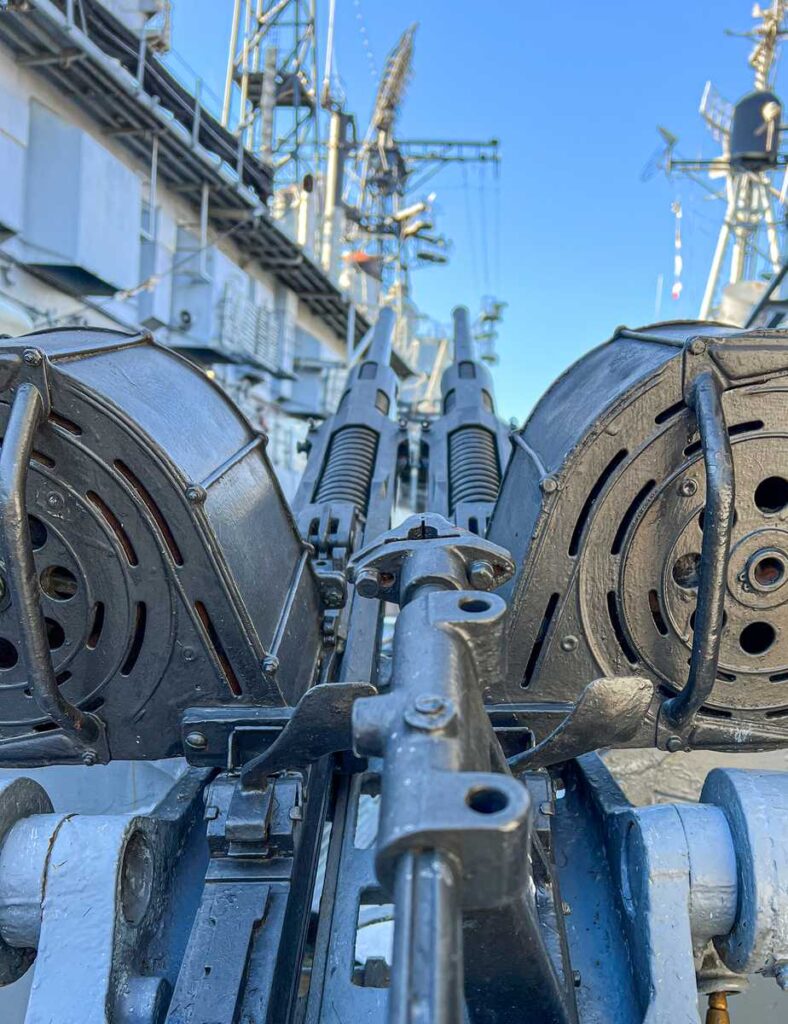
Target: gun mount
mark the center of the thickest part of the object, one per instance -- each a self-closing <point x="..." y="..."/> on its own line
<point x="621" y="582"/>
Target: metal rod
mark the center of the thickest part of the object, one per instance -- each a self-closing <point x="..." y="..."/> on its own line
<point x="706" y="401"/>
<point x="27" y="412"/>
<point x="427" y="975"/>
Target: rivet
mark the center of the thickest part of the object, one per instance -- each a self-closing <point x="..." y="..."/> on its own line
<point x="697" y="346"/>
<point x="196" y="740"/>
<point x="569" y="643"/>
<point x="688" y="487"/>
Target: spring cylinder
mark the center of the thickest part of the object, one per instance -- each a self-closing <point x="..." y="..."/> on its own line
<point x="347" y="474"/>
<point x="474" y="474"/>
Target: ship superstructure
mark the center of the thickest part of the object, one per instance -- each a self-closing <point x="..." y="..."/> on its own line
<point x="254" y="232"/>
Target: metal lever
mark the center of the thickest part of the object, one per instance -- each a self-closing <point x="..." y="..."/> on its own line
<point x="320" y="724"/>
<point x="27" y="412"/>
<point x="608" y="711"/>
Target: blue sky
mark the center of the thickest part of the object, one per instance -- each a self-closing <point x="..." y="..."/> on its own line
<point x="574" y="91"/>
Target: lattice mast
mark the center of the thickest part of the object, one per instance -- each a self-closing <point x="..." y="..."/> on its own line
<point x="388" y="221"/>
<point x="750" y="239"/>
<point x="271" y="86"/>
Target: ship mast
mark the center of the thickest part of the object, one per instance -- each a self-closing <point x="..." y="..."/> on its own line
<point x="749" y="243"/>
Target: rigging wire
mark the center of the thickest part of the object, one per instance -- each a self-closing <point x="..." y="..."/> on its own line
<point x="497" y="243"/>
<point x="471" y="230"/>
<point x="484" y="231"/>
<point x="373" y="68"/>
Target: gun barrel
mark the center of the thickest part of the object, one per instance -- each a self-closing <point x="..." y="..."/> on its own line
<point x="464" y="345"/>
<point x="382" y="337"/>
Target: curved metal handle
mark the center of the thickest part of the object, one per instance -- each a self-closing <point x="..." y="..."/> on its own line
<point x="706" y="400"/>
<point x="26" y="415"/>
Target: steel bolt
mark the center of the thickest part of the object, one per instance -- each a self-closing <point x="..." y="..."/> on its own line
<point x="32" y="357"/>
<point x="89" y="758"/>
<point x="270" y="664"/>
<point x="54" y="500"/>
<point x="429" y="704"/>
<point x="674" y="744"/>
<point x="481" y="574"/>
<point x="196" y="740"/>
<point x="367" y="583"/>
<point x="697" y="346"/>
<point x="195" y="493"/>
<point x="688" y="487"/>
<point x="549" y="485"/>
<point x="569" y="643"/>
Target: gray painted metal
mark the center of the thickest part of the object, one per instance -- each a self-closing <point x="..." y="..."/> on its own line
<point x="544" y="893"/>
<point x="468" y="445"/>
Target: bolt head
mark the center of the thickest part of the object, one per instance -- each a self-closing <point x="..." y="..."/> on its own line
<point x="549" y="485"/>
<point x="270" y="664"/>
<point x="367" y="583"/>
<point x="481" y="575"/>
<point x="429" y="704"/>
<point x="697" y="346"/>
<point x="32" y="357"/>
<point x="89" y="758"/>
<point x="569" y="643"/>
<point x="195" y="494"/>
<point x="196" y="740"/>
<point x="674" y="744"/>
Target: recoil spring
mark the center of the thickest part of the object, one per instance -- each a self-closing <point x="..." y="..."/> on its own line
<point x="347" y="474"/>
<point x="474" y="474"/>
